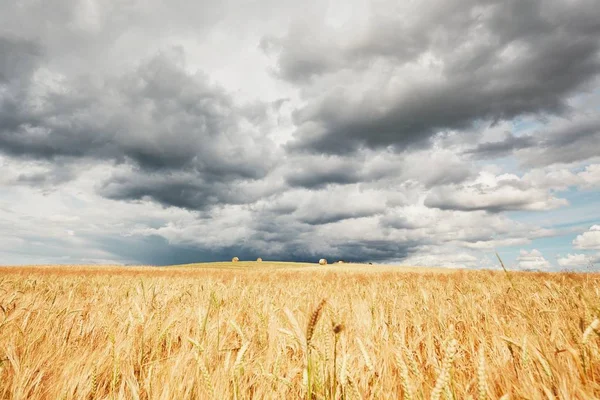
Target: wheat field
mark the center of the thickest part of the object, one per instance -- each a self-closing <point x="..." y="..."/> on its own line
<point x="295" y="331"/>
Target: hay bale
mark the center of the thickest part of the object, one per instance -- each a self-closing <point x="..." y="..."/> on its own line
<point x="323" y="261"/>
<point x="235" y="259"/>
<point x="340" y="261"/>
<point x="259" y="259"/>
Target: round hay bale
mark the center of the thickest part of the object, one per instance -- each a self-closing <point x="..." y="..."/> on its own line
<point x="259" y="259"/>
<point x="323" y="261"/>
<point x="235" y="259"/>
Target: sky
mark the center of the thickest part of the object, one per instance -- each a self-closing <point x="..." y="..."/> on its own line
<point x="431" y="133"/>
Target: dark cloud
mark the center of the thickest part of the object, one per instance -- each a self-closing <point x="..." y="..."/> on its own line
<point x="155" y="134"/>
<point x="317" y="172"/>
<point x="502" y="195"/>
<point x="319" y="179"/>
<point x="155" y="250"/>
<point x="184" y="190"/>
<point x="324" y="207"/>
<point x="438" y="200"/>
<point x="502" y="148"/>
<point x="316" y="57"/>
<point x="330" y="216"/>
<point x="373" y="250"/>
<point x="269" y="240"/>
<point x="52" y="177"/>
<point x="292" y="247"/>
<point x="454" y="174"/>
<point x="158" y="118"/>
<point x="489" y="61"/>
<point x="18" y="58"/>
<point x="376" y="169"/>
<point x="572" y="140"/>
<point x="315" y="229"/>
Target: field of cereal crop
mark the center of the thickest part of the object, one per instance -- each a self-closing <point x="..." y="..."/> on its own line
<point x="290" y="331"/>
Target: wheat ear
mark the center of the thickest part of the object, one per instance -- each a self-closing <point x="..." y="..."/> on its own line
<point x="407" y="389"/>
<point x="481" y="381"/>
<point x="593" y="327"/>
<point x="444" y="376"/>
<point x="206" y="378"/>
<point x="312" y="322"/>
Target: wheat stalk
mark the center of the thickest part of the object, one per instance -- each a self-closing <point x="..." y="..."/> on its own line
<point x="239" y="359"/>
<point x="411" y="361"/>
<point x="407" y="389"/>
<point x="481" y="378"/>
<point x="365" y="355"/>
<point x="206" y="378"/>
<point x="354" y="388"/>
<point x="592" y="328"/>
<point x="524" y="352"/>
<point x="94" y="382"/>
<point x="444" y="376"/>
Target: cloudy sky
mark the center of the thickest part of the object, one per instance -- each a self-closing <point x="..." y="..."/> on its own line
<point x="410" y="132"/>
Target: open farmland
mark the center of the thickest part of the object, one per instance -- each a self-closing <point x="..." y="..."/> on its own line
<point x="286" y="331"/>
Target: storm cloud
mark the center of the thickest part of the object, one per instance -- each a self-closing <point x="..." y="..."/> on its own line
<point x="411" y="73"/>
<point x="157" y="118"/>
<point x="415" y="132"/>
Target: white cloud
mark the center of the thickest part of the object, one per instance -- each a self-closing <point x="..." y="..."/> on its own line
<point x="578" y="261"/>
<point x="495" y="193"/>
<point x="450" y="259"/>
<point x="589" y="240"/>
<point x="557" y="179"/>
<point x="532" y="260"/>
<point x="560" y="178"/>
<point x="494" y="244"/>
<point x="590" y="176"/>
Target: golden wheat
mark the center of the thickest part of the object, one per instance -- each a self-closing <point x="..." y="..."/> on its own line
<point x="234" y="331"/>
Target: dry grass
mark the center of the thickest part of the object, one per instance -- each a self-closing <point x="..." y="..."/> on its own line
<point x="280" y="331"/>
